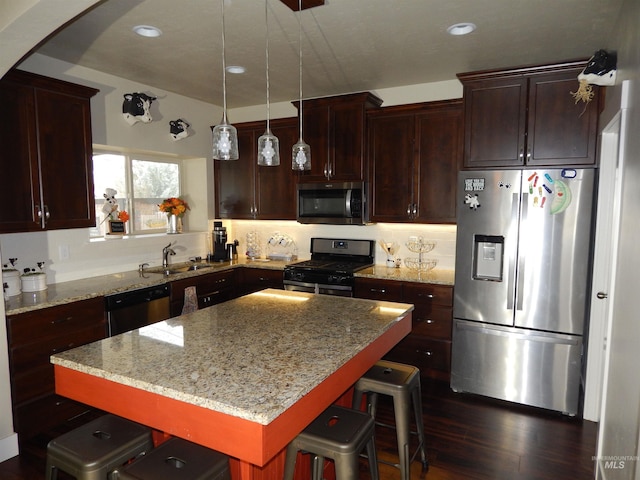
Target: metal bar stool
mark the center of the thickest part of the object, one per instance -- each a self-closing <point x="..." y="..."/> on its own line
<point x="402" y="382"/>
<point x="94" y="450"/>
<point x="338" y="433"/>
<point x="178" y="459"/>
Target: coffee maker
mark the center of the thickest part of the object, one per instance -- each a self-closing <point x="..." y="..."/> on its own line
<point x="219" y="242"/>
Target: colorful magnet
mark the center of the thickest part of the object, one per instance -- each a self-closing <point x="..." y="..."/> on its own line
<point x="532" y="176"/>
<point x="546" y="188"/>
<point x="548" y="177"/>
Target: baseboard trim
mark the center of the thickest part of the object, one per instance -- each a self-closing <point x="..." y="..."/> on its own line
<point x="9" y="447"/>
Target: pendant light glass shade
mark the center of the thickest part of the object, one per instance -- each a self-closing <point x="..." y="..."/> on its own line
<point x="301" y="152"/>
<point x="225" y="136"/>
<point x="268" y="144"/>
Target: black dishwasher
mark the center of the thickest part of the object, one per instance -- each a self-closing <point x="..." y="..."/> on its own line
<point x="136" y="308"/>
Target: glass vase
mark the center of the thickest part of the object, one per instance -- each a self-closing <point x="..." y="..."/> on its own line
<point x="174" y="224"/>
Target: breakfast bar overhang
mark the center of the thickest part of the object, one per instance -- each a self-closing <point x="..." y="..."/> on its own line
<point x="243" y="377"/>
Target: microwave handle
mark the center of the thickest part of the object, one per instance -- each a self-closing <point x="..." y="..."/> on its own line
<point x="348" y="202"/>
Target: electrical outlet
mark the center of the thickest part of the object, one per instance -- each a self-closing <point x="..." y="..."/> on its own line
<point x="63" y="252"/>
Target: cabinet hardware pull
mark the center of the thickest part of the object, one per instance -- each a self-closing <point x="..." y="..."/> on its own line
<point x="375" y="290"/>
<point x="409" y="210"/>
<point x="430" y="321"/>
<point x="601" y="295"/>
<point x="521" y="154"/>
<point x="61" y="320"/>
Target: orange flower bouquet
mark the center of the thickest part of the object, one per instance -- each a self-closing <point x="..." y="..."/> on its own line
<point x="123" y="216"/>
<point x="174" y="206"/>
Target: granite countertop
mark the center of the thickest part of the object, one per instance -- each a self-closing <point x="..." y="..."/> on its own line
<point x="73" y="291"/>
<point x="252" y="357"/>
<point x="436" y="276"/>
<point x="76" y="290"/>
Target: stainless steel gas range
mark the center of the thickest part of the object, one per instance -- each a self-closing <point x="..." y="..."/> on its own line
<point x="332" y="266"/>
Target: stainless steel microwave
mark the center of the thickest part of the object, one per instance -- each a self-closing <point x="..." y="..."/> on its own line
<point x="333" y="203"/>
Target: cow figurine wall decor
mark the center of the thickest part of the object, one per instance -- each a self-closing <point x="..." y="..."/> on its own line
<point x="135" y="107"/>
<point x="178" y="129"/>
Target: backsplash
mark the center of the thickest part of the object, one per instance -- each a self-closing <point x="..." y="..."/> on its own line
<point x="443" y="235"/>
<point x="72" y="255"/>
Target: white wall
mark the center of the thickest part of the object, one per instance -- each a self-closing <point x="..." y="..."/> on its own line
<point x="8" y="439"/>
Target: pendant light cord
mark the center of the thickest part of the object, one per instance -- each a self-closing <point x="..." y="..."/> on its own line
<point x="266" y="17"/>
<point x="300" y="60"/>
<point x="224" y="71"/>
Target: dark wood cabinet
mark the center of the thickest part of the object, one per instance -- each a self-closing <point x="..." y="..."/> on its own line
<point x="334" y="128"/>
<point x="415" y="153"/>
<point x="428" y="346"/>
<point x="251" y="280"/>
<point x="211" y="289"/>
<point x="45" y="133"/>
<point x="245" y="190"/>
<point x="32" y="338"/>
<point x="528" y="117"/>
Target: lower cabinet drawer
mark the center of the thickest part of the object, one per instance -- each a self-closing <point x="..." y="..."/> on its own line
<point x="45" y="413"/>
<point x="434" y="321"/>
<point x="432" y="357"/>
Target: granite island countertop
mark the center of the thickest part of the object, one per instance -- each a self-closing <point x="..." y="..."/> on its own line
<point x="252" y="357"/>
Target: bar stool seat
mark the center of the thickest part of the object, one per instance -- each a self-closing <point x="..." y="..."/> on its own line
<point x="94" y="450"/>
<point x="178" y="459"/>
<point x="402" y="382"/>
<point x="340" y="434"/>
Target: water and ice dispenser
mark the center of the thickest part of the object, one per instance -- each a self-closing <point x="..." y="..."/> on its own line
<point x="488" y="257"/>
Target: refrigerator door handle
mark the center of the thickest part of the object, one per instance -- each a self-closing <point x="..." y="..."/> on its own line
<point x="522" y="255"/>
<point x="512" y="254"/>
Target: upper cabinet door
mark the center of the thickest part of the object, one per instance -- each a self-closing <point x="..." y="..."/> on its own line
<point x="528" y="117"/>
<point x="495" y="115"/>
<point x="276" y="186"/>
<point x="560" y="131"/>
<point x="392" y="156"/>
<point x="18" y="159"/>
<point x="66" y="166"/>
<point x="235" y="179"/>
<point x="439" y="135"/>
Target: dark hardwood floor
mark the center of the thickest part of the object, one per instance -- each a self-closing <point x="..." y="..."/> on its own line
<point x="468" y="437"/>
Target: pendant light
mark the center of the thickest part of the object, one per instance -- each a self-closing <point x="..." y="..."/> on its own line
<point x="301" y="152"/>
<point x="225" y="136"/>
<point x="268" y="144"/>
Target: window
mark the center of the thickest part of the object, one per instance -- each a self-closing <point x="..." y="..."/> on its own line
<point x="142" y="182"/>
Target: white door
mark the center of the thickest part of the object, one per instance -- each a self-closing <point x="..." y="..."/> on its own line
<point x="608" y="218"/>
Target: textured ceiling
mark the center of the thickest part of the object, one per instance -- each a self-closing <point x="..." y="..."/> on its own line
<point x="347" y="45"/>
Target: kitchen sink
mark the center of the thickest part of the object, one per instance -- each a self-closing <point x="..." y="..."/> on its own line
<point x="175" y="269"/>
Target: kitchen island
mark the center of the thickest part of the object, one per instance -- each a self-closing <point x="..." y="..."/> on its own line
<point x="243" y="377"/>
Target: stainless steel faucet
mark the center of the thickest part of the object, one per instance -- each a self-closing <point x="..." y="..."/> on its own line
<point x="166" y="251"/>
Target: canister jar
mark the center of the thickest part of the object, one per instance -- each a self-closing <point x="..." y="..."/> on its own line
<point x="34" y="282"/>
<point x="11" y="277"/>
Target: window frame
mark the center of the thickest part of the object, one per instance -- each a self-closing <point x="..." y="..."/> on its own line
<point x="129" y="156"/>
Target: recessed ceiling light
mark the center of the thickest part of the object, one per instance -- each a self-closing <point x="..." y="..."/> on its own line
<point x="235" y="69"/>
<point x="461" y="28"/>
<point x="147" y="31"/>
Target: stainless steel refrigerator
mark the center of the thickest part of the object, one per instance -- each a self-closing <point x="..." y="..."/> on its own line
<point x="522" y="279"/>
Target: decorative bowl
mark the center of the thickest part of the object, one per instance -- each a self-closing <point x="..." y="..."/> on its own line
<point x="420" y="266"/>
<point x="421" y="246"/>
